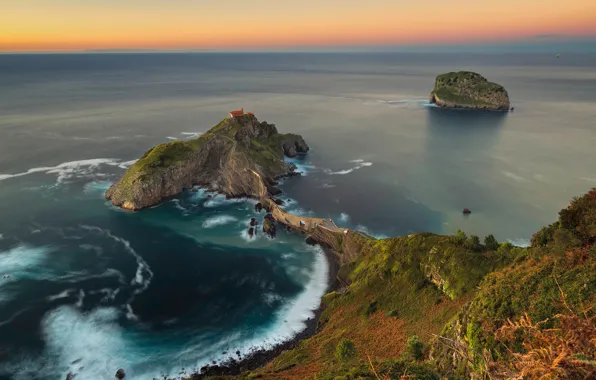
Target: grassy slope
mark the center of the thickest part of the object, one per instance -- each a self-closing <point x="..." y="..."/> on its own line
<point x="389" y="299"/>
<point x="556" y="276"/>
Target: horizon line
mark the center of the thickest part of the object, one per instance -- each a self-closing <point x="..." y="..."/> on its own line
<point x="561" y="42"/>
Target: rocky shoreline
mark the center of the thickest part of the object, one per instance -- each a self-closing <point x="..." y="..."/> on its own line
<point x="261" y="356"/>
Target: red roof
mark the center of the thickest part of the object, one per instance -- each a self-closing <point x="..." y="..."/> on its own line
<point x="237" y="113"/>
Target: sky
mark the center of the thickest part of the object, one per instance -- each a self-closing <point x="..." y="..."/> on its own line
<point x="75" y="25"/>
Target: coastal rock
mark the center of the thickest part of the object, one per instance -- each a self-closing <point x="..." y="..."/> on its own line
<point x="120" y="374"/>
<point x="467" y="211"/>
<point x="239" y="157"/>
<point x="269" y="226"/>
<point x="258" y="207"/>
<point x="294" y="144"/>
<point x="253" y="222"/>
<point x="466" y="89"/>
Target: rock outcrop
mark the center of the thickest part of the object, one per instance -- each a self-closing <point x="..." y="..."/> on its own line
<point x="466" y="89"/>
<point x="239" y="157"/>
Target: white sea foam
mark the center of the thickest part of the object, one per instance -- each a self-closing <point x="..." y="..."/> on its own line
<point x="23" y="261"/>
<point x="588" y="179"/>
<point x="191" y="135"/>
<point x="414" y="103"/>
<point x="359" y="164"/>
<point x="80" y="298"/>
<point x="520" y="242"/>
<point x="514" y="177"/>
<point x="344" y="217"/>
<point x="126" y="164"/>
<point x="73" y="169"/>
<point x="90" y="345"/>
<point x="219" y="221"/>
<point x="172" y="138"/>
<point x="97" y="187"/>
<point x="271" y="298"/>
<point x="291" y="319"/>
<point x="143" y="274"/>
<point x="177" y="204"/>
<point x="246" y="237"/>
<point x="108" y="293"/>
<point x="130" y="313"/>
<point x="302" y="166"/>
<point x="61" y="295"/>
<point x="219" y="200"/>
<point x="365" y="229"/>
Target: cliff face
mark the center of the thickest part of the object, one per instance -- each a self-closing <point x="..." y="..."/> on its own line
<point x="238" y="157"/>
<point x="466" y="89"/>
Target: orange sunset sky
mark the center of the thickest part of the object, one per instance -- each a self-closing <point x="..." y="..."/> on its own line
<point x="47" y="25"/>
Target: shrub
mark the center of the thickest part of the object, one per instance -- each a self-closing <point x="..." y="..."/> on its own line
<point x="459" y="238"/>
<point x="415" y="348"/>
<point x="346" y="350"/>
<point x="473" y="243"/>
<point x="491" y="243"/>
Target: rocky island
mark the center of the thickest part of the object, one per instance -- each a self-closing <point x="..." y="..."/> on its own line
<point x="466" y="89"/>
<point x="239" y="157"/>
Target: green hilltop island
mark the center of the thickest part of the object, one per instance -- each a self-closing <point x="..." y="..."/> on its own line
<point x="466" y="89"/>
<point x="239" y="157"/>
<point x="422" y="306"/>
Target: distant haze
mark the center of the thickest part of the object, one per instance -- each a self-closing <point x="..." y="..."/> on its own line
<point x="73" y="25"/>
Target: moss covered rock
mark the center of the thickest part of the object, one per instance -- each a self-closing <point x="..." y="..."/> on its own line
<point x="237" y="157"/>
<point x="466" y="89"/>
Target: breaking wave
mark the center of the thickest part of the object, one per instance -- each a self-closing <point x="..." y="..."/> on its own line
<point x="359" y="164"/>
<point x="219" y="221"/>
<point x="73" y="169"/>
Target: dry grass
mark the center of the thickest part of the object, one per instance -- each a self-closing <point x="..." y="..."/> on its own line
<point x="565" y="352"/>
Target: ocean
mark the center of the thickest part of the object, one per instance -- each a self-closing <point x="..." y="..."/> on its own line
<point x="88" y="288"/>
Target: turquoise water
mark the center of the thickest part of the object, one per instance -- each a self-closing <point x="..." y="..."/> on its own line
<point x="91" y="288"/>
<point x="169" y="288"/>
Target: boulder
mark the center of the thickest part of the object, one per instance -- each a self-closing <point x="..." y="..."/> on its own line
<point x="467" y="211"/>
<point x="120" y="374"/>
<point x="269" y="226"/>
<point x="258" y="207"/>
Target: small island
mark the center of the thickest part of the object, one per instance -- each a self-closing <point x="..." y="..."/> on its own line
<point x="466" y="89"/>
<point x="238" y="157"/>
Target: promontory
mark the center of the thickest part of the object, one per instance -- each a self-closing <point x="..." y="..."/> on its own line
<point x="466" y="89"/>
<point x="239" y="157"/>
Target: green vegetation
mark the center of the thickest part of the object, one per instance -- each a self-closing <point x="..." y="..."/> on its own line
<point x="346" y="350"/>
<point x="485" y="311"/>
<point x="415" y="348"/>
<point x="469" y="89"/>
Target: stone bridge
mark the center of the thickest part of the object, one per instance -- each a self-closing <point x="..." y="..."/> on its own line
<point x="302" y="223"/>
